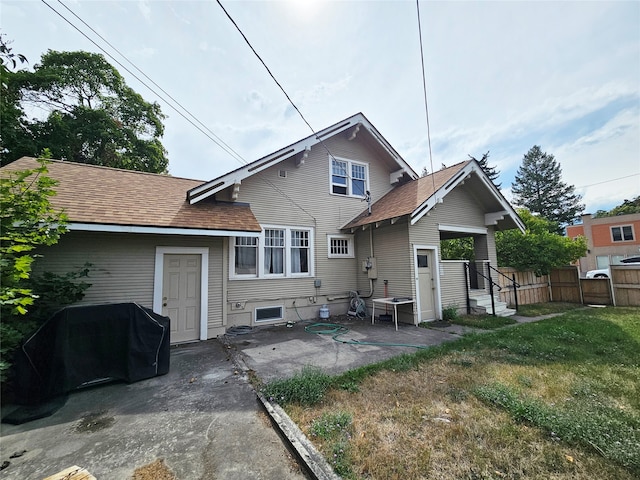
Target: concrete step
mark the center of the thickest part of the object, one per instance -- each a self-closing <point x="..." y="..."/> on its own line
<point x="481" y="303"/>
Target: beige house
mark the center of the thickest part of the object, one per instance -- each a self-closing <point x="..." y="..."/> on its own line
<point x="279" y="238"/>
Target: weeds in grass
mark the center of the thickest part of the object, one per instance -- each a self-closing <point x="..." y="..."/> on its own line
<point x="613" y="433"/>
<point x="306" y="388"/>
<point x="335" y="431"/>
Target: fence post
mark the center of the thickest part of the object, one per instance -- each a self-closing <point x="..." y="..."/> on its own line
<point x="515" y="290"/>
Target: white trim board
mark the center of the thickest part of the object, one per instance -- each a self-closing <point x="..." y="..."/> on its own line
<point x="99" y="227"/>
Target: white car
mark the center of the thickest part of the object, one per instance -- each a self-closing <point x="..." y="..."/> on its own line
<point x="605" y="273"/>
<point x="601" y="273"/>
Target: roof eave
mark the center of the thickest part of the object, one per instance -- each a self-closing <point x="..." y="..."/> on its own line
<point x="236" y="176"/>
<point x="145" y="229"/>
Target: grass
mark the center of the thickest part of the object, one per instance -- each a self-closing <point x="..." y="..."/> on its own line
<point x="485" y="322"/>
<point x="556" y="398"/>
<point x="539" y="309"/>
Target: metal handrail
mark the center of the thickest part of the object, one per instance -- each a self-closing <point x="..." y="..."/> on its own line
<point x="513" y="279"/>
<point x="467" y="272"/>
<point x="491" y="282"/>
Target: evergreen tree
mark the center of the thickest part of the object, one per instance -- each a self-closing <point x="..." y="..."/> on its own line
<point x="539" y="188"/>
<point x="490" y="172"/>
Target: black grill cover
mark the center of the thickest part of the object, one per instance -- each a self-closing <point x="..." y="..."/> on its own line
<point x="82" y="345"/>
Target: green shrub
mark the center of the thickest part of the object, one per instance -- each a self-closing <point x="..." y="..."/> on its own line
<point x="450" y="313"/>
<point x="50" y="292"/>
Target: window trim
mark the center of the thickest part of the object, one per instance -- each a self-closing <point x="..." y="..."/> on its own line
<point x="349" y="185"/>
<point x="621" y="228"/>
<point x="287" y="273"/>
<point x="350" y="246"/>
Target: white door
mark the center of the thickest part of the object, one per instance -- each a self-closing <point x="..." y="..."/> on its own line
<point x="181" y="296"/>
<point x="426" y="286"/>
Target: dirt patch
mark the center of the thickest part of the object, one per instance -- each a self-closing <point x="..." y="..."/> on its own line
<point x="154" y="471"/>
<point x="94" y="422"/>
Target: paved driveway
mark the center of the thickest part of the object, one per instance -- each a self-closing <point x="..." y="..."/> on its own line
<point x="202" y="418"/>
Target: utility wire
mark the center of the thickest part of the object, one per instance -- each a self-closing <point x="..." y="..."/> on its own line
<point x="265" y="66"/>
<point x="229" y="150"/>
<point x="424" y="89"/>
<point x="607" y="181"/>
<point x="217" y="140"/>
<point x="213" y="138"/>
<point x="347" y="174"/>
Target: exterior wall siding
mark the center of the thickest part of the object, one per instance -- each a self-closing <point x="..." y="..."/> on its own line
<point x="301" y="197"/>
<point x="459" y="208"/>
<point x="453" y="284"/>
<point x="393" y="256"/>
<point x="123" y="267"/>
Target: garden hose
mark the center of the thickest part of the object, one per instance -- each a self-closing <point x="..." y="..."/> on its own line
<point x="336" y="331"/>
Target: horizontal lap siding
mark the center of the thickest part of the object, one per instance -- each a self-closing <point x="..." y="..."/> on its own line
<point x="459" y="208"/>
<point x="453" y="284"/>
<point x="303" y="199"/>
<point x="123" y="266"/>
<point x="394" y="259"/>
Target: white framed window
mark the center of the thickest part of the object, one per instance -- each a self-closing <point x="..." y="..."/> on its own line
<point x="349" y="178"/>
<point x="274" y="251"/>
<point x="300" y="248"/>
<point x="278" y="252"/>
<point x="623" y="233"/>
<point x="245" y="256"/>
<point x="340" y="246"/>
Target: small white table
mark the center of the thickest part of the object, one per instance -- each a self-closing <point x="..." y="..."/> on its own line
<point x="395" y="301"/>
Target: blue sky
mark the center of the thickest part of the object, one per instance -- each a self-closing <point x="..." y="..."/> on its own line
<point x="501" y="76"/>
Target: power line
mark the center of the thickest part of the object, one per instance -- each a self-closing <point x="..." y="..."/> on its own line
<point x="424" y="89"/>
<point x="347" y="174"/>
<point x="265" y="66"/>
<point x="211" y="136"/>
<point x="229" y="150"/>
<point x="608" y="181"/>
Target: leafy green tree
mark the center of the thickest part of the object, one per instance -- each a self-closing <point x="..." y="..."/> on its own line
<point x="92" y="116"/>
<point x="626" y="208"/>
<point x="538" y="187"/>
<point x="540" y="248"/>
<point x="14" y="130"/>
<point x="489" y="171"/>
<point x="457" y="249"/>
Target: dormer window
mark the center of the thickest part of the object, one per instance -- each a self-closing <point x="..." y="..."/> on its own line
<point x="348" y="178"/>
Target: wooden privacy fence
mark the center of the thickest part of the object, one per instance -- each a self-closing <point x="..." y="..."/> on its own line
<point x="625" y="282"/>
<point x="565" y="285"/>
<point x="533" y="289"/>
